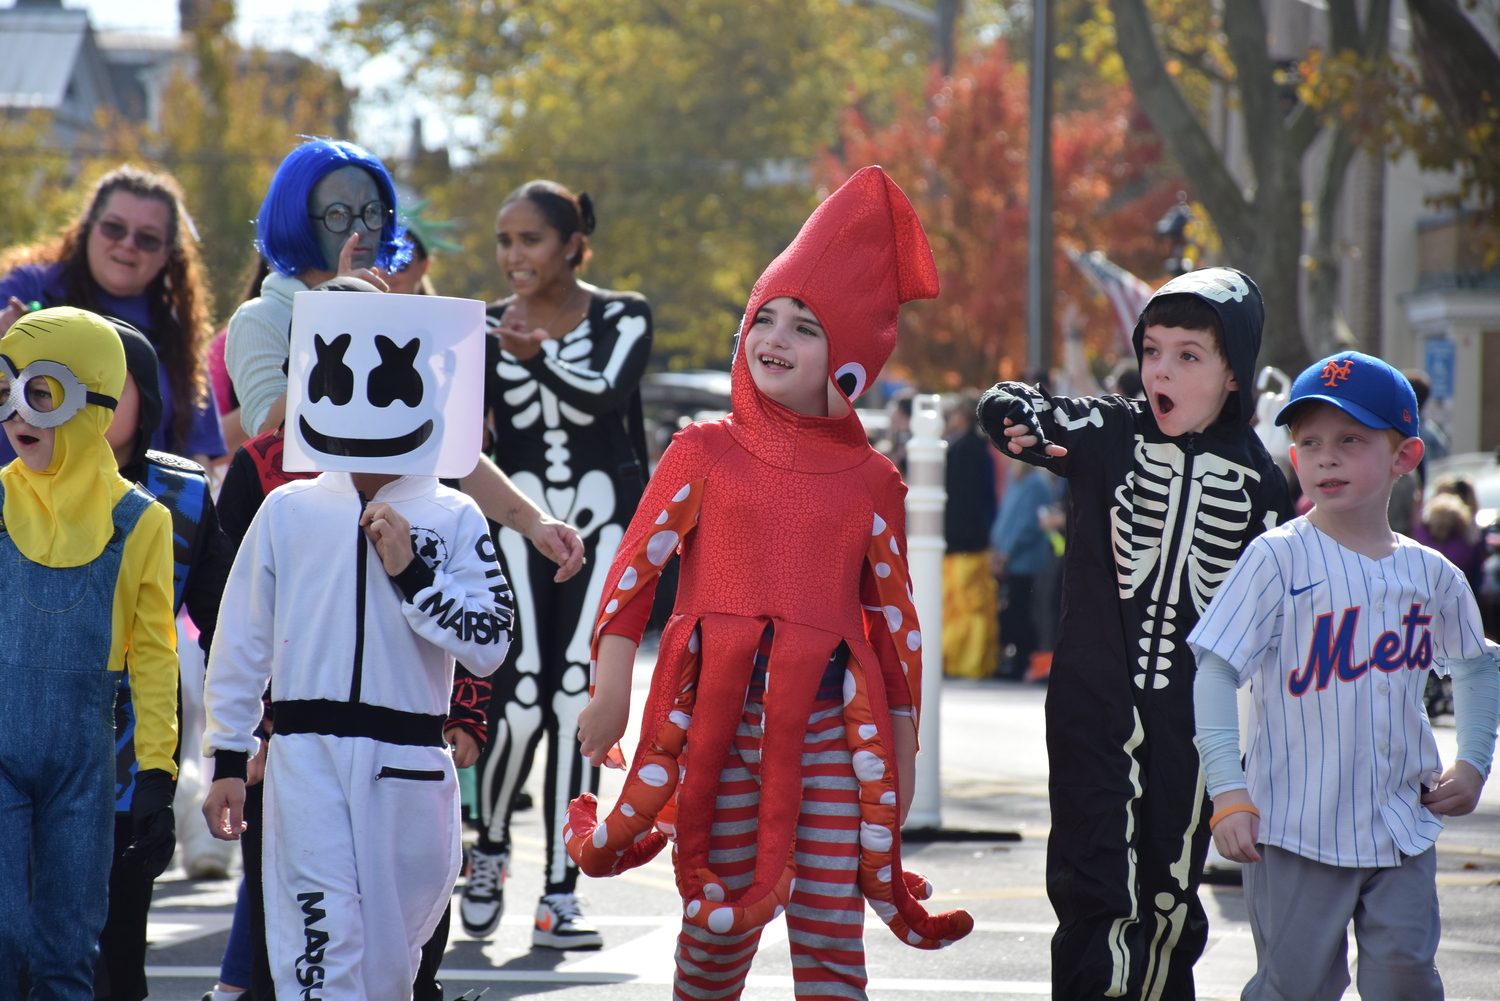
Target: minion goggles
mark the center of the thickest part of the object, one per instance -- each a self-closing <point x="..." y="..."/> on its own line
<point x="75" y="395"/>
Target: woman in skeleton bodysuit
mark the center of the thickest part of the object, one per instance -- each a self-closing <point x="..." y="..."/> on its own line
<point x="563" y="366"/>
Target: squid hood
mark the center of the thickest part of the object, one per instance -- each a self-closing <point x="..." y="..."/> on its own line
<point x="858" y="258"/>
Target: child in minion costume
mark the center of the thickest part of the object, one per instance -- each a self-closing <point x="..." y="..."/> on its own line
<point x="85" y="577"/>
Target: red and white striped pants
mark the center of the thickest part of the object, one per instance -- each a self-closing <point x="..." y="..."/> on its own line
<point x="825" y="916"/>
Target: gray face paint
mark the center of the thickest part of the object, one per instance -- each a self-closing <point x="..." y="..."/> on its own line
<point x="352" y="186"/>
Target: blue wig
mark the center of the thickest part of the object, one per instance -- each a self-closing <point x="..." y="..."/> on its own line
<point x="284" y="231"/>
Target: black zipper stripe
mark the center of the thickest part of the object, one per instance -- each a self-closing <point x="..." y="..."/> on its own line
<point x="361" y="565"/>
<point x="417" y="774"/>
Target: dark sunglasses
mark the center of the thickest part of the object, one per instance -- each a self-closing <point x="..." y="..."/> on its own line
<point x="339" y="218"/>
<point x="146" y="243"/>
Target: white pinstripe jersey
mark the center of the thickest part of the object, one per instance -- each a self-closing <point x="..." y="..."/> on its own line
<point x="1337" y="648"/>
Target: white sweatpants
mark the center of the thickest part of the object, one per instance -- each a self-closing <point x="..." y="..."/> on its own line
<point x="357" y="870"/>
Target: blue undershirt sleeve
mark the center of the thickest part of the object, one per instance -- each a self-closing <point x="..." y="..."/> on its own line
<point x="1216" y="712"/>
<point x="1476" y="707"/>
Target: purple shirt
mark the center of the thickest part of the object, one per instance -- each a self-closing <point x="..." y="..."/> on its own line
<point x="43" y="283"/>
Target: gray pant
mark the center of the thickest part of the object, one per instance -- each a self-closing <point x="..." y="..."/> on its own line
<point x="1299" y="915"/>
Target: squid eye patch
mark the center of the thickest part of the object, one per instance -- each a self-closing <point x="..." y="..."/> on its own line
<point x="396" y="377"/>
<point x="330" y="377"/>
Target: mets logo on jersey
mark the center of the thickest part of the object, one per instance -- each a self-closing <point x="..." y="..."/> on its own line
<point x="1335" y="372"/>
<point x="1330" y="655"/>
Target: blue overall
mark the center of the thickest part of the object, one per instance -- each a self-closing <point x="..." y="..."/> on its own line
<point x="57" y="761"/>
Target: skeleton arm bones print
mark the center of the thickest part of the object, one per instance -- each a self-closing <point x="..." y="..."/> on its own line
<point x="562" y="366"/>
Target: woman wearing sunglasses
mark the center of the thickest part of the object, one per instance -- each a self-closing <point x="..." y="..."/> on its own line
<point x="131" y="255"/>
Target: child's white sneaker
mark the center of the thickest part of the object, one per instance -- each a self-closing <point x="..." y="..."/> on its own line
<point x="484" y="892"/>
<point x="561" y="925"/>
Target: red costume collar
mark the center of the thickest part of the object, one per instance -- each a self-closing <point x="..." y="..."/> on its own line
<point x="859" y="256"/>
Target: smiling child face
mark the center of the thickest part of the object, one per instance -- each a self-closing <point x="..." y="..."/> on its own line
<point x="787" y="352"/>
<point x="1186" y="380"/>
<point x="33" y="445"/>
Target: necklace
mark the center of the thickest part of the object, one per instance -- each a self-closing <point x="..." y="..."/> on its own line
<point x="553" y="318"/>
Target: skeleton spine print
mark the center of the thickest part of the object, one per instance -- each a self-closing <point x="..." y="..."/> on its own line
<point x="559" y="426"/>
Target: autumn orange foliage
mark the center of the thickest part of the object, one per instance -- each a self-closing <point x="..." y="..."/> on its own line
<point x="962" y="160"/>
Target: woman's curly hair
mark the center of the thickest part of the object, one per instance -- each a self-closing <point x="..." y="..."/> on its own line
<point x="178" y="299"/>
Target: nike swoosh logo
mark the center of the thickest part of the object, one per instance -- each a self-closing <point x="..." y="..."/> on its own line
<point x="1298" y="590"/>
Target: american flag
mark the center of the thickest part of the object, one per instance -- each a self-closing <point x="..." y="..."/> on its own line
<point x="1125" y="292"/>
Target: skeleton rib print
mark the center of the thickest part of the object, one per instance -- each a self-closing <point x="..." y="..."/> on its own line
<point x="1197" y="506"/>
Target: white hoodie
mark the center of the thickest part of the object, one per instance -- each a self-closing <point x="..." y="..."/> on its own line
<point x="291" y="612"/>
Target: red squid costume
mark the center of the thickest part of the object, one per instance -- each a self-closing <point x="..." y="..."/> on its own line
<point x="792" y="534"/>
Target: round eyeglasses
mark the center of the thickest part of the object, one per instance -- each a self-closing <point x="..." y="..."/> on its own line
<point x="339" y="218"/>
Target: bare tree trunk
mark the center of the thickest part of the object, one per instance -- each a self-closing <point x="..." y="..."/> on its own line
<point x="1323" y="262"/>
<point x="1372" y="258"/>
<point x="1277" y="266"/>
<point x="943" y="43"/>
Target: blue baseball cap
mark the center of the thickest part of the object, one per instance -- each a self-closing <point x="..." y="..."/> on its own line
<point x="1364" y="387"/>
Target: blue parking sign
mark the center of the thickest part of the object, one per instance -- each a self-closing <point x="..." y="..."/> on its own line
<point x="1439" y="362"/>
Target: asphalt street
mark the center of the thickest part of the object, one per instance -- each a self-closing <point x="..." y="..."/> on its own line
<point x="994" y="769"/>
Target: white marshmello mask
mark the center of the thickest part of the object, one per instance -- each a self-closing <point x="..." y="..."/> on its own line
<point x="385" y="384"/>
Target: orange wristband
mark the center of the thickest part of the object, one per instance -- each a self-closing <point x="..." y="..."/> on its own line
<point x="1236" y="808"/>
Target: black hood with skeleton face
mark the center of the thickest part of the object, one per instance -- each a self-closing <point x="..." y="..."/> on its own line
<point x="1242" y="317"/>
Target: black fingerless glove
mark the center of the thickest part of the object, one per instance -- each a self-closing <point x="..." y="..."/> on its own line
<point x="996" y="406"/>
<point x="153" y="825"/>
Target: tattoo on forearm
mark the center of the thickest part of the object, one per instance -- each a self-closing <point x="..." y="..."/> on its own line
<point x="512" y="518"/>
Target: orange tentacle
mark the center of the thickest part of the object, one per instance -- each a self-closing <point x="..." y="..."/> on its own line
<point x="709" y="911"/>
<point x="603" y="848"/>
<point x="893" y="584"/>
<point x="625" y="838"/>
<point x="895" y="901"/>
<point x="892" y="894"/>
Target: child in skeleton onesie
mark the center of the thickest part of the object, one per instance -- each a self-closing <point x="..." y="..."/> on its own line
<point x="1164" y="495"/>
<point x="352" y="593"/>
<point x="780" y="732"/>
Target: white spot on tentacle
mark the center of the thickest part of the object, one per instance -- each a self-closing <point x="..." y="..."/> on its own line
<point x="661" y="547"/>
<point x="654" y="775"/>
<point x="868" y="767"/>
<point x="873" y="837"/>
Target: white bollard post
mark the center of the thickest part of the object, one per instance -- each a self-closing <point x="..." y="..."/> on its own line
<point x="926" y="497"/>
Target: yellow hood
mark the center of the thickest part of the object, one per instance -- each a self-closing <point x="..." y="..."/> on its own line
<point x="62" y="517"/>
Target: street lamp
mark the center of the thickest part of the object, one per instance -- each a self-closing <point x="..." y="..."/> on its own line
<point x="1039" y="187"/>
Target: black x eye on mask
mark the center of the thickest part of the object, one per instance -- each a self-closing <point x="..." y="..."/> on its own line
<point x="396" y="377"/>
<point x="330" y="376"/>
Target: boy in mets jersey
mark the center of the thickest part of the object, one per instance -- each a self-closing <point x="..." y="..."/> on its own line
<point x="1335" y="621"/>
